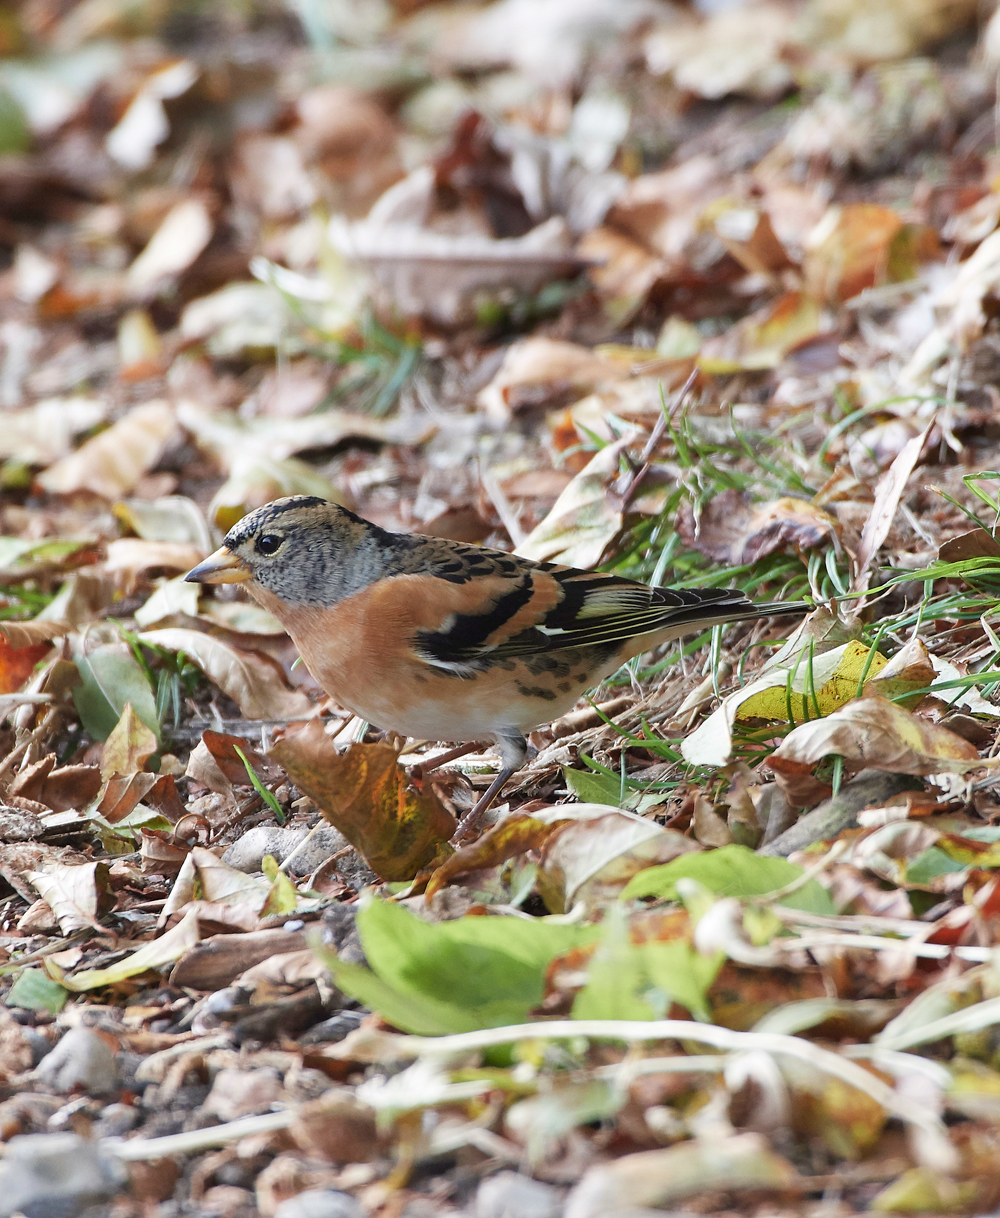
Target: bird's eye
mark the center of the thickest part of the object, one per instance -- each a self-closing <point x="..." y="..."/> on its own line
<point x="269" y="544"/>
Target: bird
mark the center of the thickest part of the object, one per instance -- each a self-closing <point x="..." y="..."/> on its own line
<point x="443" y="640"/>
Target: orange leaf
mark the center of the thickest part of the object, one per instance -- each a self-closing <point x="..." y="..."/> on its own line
<point x="18" y="663"/>
<point x="365" y="794"/>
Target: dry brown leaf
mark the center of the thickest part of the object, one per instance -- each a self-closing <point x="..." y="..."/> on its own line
<point x="422" y="273"/>
<point x="253" y="680"/>
<point x="733" y="529"/>
<point x="111" y="464"/>
<point x="27" y="634"/>
<point x="887" y="496"/>
<point x="41" y="434"/>
<point x="129" y="557"/>
<point x="538" y="371"/>
<point x="73" y="892"/>
<point x="873" y="732"/>
<point x="849" y="250"/>
<point x="185" y="231"/>
<point x="660" y="1177"/>
<point x="977" y="543"/>
<point x="763" y="339"/>
<point x="584" y="520"/>
<point x="18" y="663"/>
<point x="366" y="795"/>
<point x="129" y="747"/>
<point x="59" y="788"/>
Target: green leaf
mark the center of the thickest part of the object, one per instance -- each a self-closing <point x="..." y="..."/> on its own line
<point x="593" y="788"/>
<point x="33" y="991"/>
<point x="731" y="871"/>
<point x="640" y="981"/>
<point x="112" y="676"/>
<point x="453" y="976"/>
<point x="617" y="981"/>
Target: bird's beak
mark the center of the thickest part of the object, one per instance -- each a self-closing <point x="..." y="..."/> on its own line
<point x="222" y="567"/>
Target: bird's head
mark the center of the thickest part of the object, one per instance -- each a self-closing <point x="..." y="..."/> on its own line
<point x="296" y="548"/>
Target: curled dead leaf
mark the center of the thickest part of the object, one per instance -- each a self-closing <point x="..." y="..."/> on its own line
<point x="365" y="794"/>
<point x="112" y="462"/>
<point x="254" y="681"/>
<point x="733" y="529"/>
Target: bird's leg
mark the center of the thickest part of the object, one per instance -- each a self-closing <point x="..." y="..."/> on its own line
<point x="513" y="748"/>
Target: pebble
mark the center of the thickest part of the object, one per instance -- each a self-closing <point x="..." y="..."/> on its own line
<point x="81" y="1061"/>
<point x="55" y="1175"/>
<point x="247" y="853"/>
<point x="320" y="1203"/>
<point x="511" y="1195"/>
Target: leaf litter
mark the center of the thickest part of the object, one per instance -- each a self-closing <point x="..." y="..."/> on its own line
<point x="704" y="296"/>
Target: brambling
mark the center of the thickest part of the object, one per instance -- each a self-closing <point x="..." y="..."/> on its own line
<point x="441" y="640"/>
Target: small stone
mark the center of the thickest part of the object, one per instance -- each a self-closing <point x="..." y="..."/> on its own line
<point x="116" y="1120"/>
<point x="55" y="1175"/>
<point x="320" y="1203"/>
<point x="510" y="1195"/>
<point x="81" y="1061"/>
<point x="248" y="852"/>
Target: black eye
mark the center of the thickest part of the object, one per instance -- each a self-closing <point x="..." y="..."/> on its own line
<point x="269" y="544"/>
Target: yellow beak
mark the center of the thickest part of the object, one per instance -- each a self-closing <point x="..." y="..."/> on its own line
<point x="222" y="567"/>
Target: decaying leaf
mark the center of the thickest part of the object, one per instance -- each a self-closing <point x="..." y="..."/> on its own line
<point x="875" y="732"/>
<point x="584" y="520"/>
<point x="254" y="681"/>
<point x="733" y="529"/>
<point x="806" y="686"/>
<point x="156" y="954"/>
<point x="659" y="1177"/>
<point x="365" y="794"/>
<point x="538" y="371"/>
<point x="73" y="892"/>
<point x="112" y="462"/>
<point x="763" y="339"/>
<point x="129" y="746"/>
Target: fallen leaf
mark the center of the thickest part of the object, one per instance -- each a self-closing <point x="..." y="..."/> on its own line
<point x="803" y="687"/>
<point x="130" y="557"/>
<point x="41" y="434"/>
<point x="174" y="518"/>
<point x="888" y="493"/>
<point x="183" y="234"/>
<point x="365" y="794"/>
<point x="444" y="277"/>
<point x="538" y="371"/>
<point x="232" y="439"/>
<point x="110" y="678"/>
<point x="877" y="733"/>
<point x="733" y="529"/>
<point x="763" y="339"/>
<point x="57" y="787"/>
<point x="156" y="954"/>
<point x="73" y="892"/>
<point x="18" y="663"/>
<point x="659" y="1177"/>
<point x="112" y="462"/>
<point x="132" y="142"/>
<point x="736" y="50"/>
<point x="30" y="634"/>
<point x="223" y="750"/>
<point x="849" y="250"/>
<point x="977" y="543"/>
<point x="129" y="746"/>
<point x="255" y="480"/>
<point x="254" y="681"/>
<point x="583" y="521"/>
<point x="172" y="598"/>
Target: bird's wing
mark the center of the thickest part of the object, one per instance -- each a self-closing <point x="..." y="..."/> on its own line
<point x="541" y="607"/>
